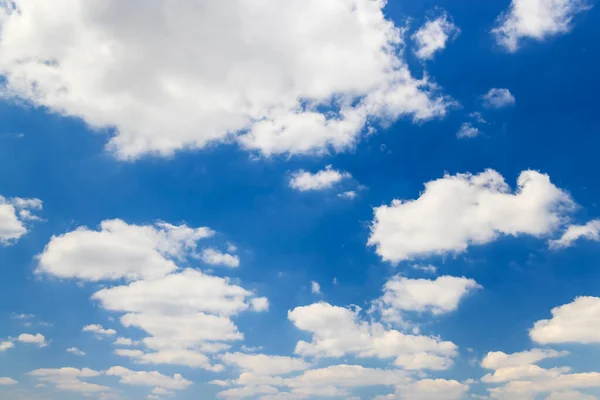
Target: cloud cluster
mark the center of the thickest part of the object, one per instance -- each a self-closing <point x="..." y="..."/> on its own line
<point x="272" y="84"/>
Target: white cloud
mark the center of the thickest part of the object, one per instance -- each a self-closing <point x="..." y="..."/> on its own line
<point x="14" y="215"/>
<point x="7" y="381"/>
<point x="121" y="341"/>
<point x="339" y="331"/>
<point x="498" y="98"/>
<point x="535" y="19"/>
<point x="265" y="365"/>
<point x="576" y="322"/>
<point x="37" y="339"/>
<point x="149" y="378"/>
<point x="6" y="345"/>
<point x="462" y="210"/>
<point x="99" y="330"/>
<point x="431" y="269"/>
<point x="119" y="250"/>
<point x="350" y="194"/>
<point x="295" y="76"/>
<point x="498" y="359"/>
<point x="438" y="296"/>
<point x="429" y="389"/>
<point x="69" y="379"/>
<point x="433" y="36"/>
<point x="467" y="131"/>
<point x="324" y="179"/>
<point x="570" y="395"/>
<point x="589" y="231"/>
<point x="186" y="315"/>
<point x="315" y="288"/>
<point x="215" y="257"/>
<point x="76" y="351"/>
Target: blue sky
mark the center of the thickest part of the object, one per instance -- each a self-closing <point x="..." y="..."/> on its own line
<point x="299" y="200"/>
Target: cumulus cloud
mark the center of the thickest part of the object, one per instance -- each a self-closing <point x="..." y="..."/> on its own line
<point x="70" y="379"/>
<point x="37" y="339"/>
<point x="7" y="381"/>
<point x="148" y="378"/>
<point x="99" y="330"/>
<point x="433" y="36"/>
<point x="520" y="378"/>
<point x="467" y="131"/>
<point x="576" y="322"/>
<point x="461" y="210"/>
<point x="15" y="213"/>
<point x="265" y="365"/>
<point x="429" y="389"/>
<point x="438" y="296"/>
<point x="286" y="77"/>
<point x="119" y="250"/>
<point x="121" y="341"/>
<point x="589" y="231"/>
<point x="536" y="19"/>
<point x="338" y="331"/>
<point x="324" y="179"/>
<point x="76" y="351"/>
<point x="6" y="345"/>
<point x="498" y="98"/>
<point x="215" y="257"/>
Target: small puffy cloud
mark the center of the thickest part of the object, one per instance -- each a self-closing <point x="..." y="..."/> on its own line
<point x="429" y="389"/>
<point x="498" y="98"/>
<point x="162" y="392"/>
<point x="259" y="304"/>
<point x="433" y="36"/>
<point x="70" y="379"/>
<point x="438" y="296"/>
<point x="311" y="76"/>
<point x="430" y="269"/>
<point x="535" y="19"/>
<point x="148" y="378"/>
<point x="570" y="395"/>
<point x="76" y="351"/>
<point x="15" y="213"/>
<point x="215" y="257"/>
<point x="576" y="322"/>
<point x="7" y="381"/>
<point x="99" y="330"/>
<point x="119" y="250"/>
<point x="589" y="231"/>
<point x="324" y="179"/>
<point x="6" y="345"/>
<point x="467" y="131"/>
<point x="315" y="288"/>
<point x="37" y="339"/>
<point x="458" y="211"/>
<point x="350" y="194"/>
<point x="338" y="331"/>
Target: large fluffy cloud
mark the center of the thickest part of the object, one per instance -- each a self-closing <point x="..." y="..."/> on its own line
<point x="536" y="19"/>
<point x="576" y="322"/>
<point x="457" y="211"/>
<point x="338" y="331"/>
<point x="119" y="250"/>
<point x="295" y="76"/>
<point x="14" y="215"/>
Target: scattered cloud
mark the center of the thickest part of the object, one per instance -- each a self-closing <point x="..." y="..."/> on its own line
<point x="350" y="194"/>
<point x="7" y="381"/>
<point x="37" y="339"/>
<point x="70" y="379"/>
<point x="6" y="345"/>
<point x="433" y="36"/>
<point x="76" y="351"/>
<point x="430" y="269"/>
<point x="324" y="179"/>
<point x="15" y="213"/>
<point x="215" y="257"/>
<point x="535" y="19"/>
<point x="467" y="131"/>
<point x="99" y="330"/>
<point x="458" y="211"/>
<point x="149" y="378"/>
<point x="121" y="341"/>
<point x="498" y="98"/>
<point x="315" y="288"/>
<point x="589" y="231"/>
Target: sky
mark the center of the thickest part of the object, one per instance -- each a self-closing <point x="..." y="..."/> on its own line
<point x="302" y="199"/>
